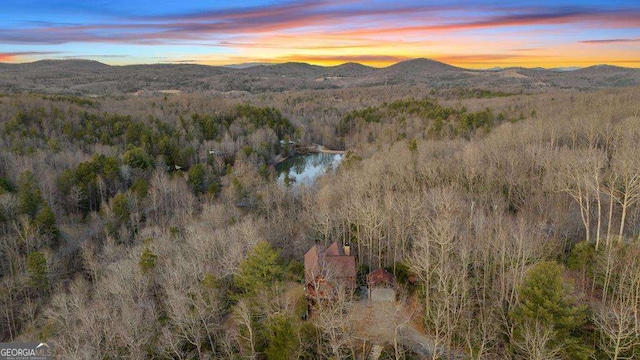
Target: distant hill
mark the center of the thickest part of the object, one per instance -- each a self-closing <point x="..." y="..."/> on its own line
<point x="565" y="68"/>
<point x="290" y="69"/>
<point x="246" y="65"/>
<point x="422" y="71"/>
<point x="421" y="65"/>
<point x="602" y="76"/>
<point x="85" y="77"/>
<point x="350" y="70"/>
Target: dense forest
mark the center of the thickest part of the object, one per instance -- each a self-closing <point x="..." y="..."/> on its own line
<point x="154" y="226"/>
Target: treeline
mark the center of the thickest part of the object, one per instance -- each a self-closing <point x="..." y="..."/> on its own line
<point x="154" y="228"/>
<point x="471" y="93"/>
<point x="438" y="120"/>
<point x="176" y="140"/>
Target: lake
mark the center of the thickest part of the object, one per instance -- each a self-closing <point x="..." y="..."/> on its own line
<point x="306" y="168"/>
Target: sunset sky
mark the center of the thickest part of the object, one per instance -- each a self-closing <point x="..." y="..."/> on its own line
<point x="472" y="34"/>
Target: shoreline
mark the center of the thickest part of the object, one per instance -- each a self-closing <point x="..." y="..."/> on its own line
<point x="313" y="149"/>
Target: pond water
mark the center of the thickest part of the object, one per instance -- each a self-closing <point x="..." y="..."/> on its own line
<point x="304" y="169"/>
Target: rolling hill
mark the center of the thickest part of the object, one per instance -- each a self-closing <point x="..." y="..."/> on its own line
<point x="87" y="77"/>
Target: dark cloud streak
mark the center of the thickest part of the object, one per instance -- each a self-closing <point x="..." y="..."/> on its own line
<point x="615" y="19"/>
<point x="610" y="41"/>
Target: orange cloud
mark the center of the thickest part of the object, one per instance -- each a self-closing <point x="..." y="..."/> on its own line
<point x="476" y="58"/>
<point x="17" y="56"/>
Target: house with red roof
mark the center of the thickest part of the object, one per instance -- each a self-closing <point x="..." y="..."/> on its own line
<point x="329" y="271"/>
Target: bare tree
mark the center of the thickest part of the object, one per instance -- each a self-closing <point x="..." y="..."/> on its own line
<point x="335" y="321"/>
<point x="618" y="332"/>
<point x="579" y="174"/>
<point x="245" y="333"/>
<point x="627" y="164"/>
<point x="534" y="343"/>
<point x="440" y="260"/>
<point x="192" y="309"/>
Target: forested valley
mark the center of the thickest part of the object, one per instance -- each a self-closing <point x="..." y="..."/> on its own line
<point x="154" y="226"/>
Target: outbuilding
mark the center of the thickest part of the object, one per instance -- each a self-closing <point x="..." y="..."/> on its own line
<point x="381" y="286"/>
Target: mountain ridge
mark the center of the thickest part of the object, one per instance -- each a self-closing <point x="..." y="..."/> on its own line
<point x="239" y="66"/>
<point x="90" y="77"/>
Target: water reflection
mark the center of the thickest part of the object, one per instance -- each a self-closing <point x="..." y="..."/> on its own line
<point x="304" y="169"/>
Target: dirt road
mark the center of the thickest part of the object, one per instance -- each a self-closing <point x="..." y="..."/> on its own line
<point x="388" y="323"/>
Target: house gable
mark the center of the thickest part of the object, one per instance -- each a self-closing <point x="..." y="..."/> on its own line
<point x="330" y="267"/>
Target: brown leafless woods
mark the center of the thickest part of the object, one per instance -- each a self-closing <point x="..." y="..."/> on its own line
<point x="154" y="227"/>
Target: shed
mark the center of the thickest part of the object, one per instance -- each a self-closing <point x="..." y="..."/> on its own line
<point x="381" y="285"/>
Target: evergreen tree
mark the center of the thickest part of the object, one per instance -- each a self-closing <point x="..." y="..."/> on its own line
<point x="259" y="270"/>
<point x="121" y="208"/>
<point x="197" y="179"/>
<point x="29" y="196"/>
<point x="6" y="186"/>
<point x="140" y="188"/>
<point x="37" y="270"/>
<point x="147" y="261"/>
<point x="46" y="221"/>
<point x="281" y="336"/>
<point x="413" y="146"/>
<point x="544" y="301"/>
<point x="137" y="158"/>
